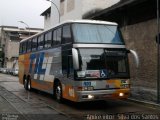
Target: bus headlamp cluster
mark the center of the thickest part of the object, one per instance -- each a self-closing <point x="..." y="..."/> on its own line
<point x="125" y="84"/>
<point x="88" y="96"/>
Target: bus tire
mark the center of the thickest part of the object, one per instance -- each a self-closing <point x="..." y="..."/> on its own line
<point x="29" y="85"/>
<point x="58" y="92"/>
<point x="25" y="83"/>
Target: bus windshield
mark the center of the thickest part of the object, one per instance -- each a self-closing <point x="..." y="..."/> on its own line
<point x="97" y="33"/>
<point x="98" y="63"/>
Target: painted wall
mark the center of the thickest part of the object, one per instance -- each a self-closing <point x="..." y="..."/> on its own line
<point x="47" y="21"/>
<point x="54" y="13"/>
<point x="75" y="9"/>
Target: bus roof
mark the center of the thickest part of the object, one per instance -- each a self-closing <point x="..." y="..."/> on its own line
<point x="74" y="21"/>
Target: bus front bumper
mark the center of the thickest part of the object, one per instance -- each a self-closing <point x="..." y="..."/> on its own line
<point x="103" y="94"/>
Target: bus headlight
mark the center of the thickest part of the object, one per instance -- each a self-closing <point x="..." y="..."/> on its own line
<point x="121" y="94"/>
<point x="90" y="96"/>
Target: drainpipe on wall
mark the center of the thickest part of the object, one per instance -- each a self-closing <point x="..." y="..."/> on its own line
<point x="158" y="56"/>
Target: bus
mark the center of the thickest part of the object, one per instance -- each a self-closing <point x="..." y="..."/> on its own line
<point x="77" y="60"/>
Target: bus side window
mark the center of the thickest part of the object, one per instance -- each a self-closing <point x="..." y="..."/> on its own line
<point x="66" y="37"/>
<point x="70" y="70"/>
<point x="24" y="47"/>
<point x="58" y="41"/>
<point x="41" y="42"/>
<point x="67" y="63"/>
<point x="34" y="44"/>
<point x="29" y="43"/>
<point x="20" y="48"/>
<point x="54" y="37"/>
<point x="48" y="39"/>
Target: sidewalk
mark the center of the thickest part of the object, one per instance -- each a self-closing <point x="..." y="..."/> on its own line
<point x="7" y="111"/>
<point x="14" y="108"/>
<point x="145" y="103"/>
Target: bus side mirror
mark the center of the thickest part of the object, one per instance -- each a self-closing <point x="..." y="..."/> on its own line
<point x="75" y="59"/>
<point x="135" y="55"/>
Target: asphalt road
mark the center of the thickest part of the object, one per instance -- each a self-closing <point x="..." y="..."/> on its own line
<point x="17" y="104"/>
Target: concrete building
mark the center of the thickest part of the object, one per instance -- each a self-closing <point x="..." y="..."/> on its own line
<point x="47" y="18"/>
<point x="73" y="9"/>
<point x="138" y="22"/>
<point x="10" y="37"/>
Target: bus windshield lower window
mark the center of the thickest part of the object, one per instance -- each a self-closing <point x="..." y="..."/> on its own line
<point x="95" y="63"/>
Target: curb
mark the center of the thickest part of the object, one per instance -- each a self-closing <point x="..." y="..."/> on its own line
<point x="145" y="103"/>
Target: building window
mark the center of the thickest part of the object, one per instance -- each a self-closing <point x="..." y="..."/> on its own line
<point x="62" y="7"/>
<point x="70" y="5"/>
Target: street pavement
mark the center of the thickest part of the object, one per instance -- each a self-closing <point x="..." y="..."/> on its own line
<point x="18" y="104"/>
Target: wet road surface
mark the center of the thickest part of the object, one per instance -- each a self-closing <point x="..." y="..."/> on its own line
<point x="36" y="104"/>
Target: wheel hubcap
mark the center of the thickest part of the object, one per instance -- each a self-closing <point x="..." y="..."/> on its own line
<point x="25" y="83"/>
<point x="29" y="86"/>
<point x="58" y="92"/>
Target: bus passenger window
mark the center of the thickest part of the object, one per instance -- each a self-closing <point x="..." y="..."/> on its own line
<point x="54" y="37"/>
<point x="48" y="39"/>
<point x="40" y="42"/>
<point x="66" y="37"/>
<point x="29" y="43"/>
<point x="24" y="47"/>
<point x="34" y="44"/>
<point x="58" y="36"/>
<point x="20" y="46"/>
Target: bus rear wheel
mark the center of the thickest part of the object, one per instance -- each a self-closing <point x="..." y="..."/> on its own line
<point x="58" y="92"/>
<point x="27" y="84"/>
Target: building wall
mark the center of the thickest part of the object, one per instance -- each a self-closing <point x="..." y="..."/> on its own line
<point x="75" y="9"/>
<point x="138" y="24"/>
<point x="2" y="37"/>
<point x="11" y="52"/>
<point x="71" y="10"/>
<point x="54" y="13"/>
<point x="141" y="38"/>
<point x="89" y="5"/>
<point x="9" y="39"/>
<point x="12" y="49"/>
<point x="47" y="21"/>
